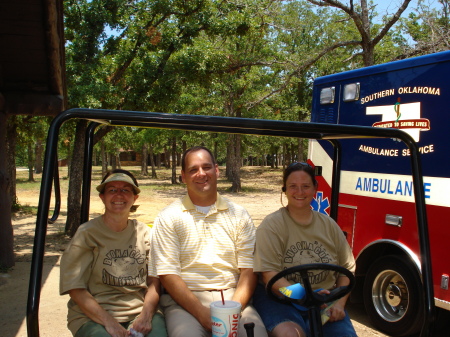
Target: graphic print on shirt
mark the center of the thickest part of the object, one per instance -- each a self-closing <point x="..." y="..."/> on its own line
<point x="124" y="267"/>
<point x="304" y="252"/>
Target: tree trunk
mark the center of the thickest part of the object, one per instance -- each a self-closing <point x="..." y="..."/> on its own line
<point x="293" y="150"/>
<point x="38" y="151"/>
<point x="119" y="166"/>
<point x="300" y="148"/>
<point x="228" y="160"/>
<point x="11" y="141"/>
<point x="114" y="162"/>
<point x="158" y="160"/>
<point x="215" y="151"/>
<point x="174" y="161"/>
<point x="166" y="158"/>
<point x="76" y="177"/>
<point x="69" y="161"/>
<point x="152" y="161"/>
<point x="184" y="147"/>
<point x="234" y="161"/>
<point x="30" y="162"/>
<point x="6" y="229"/>
<point x="95" y="157"/>
<point x="144" y="165"/>
<point x="104" y="158"/>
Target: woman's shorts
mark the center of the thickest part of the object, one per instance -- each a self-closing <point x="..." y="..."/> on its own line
<point x="274" y="313"/>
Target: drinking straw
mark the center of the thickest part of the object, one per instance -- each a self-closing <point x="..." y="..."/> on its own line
<point x="221" y="293"/>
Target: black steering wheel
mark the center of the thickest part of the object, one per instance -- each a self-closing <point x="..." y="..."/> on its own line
<point x="311" y="298"/>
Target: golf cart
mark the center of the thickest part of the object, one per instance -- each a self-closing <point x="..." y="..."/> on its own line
<point x="224" y="125"/>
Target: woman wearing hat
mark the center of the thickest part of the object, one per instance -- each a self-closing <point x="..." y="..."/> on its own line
<point x="104" y="269"/>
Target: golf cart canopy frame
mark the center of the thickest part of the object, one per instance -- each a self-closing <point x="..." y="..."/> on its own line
<point x="319" y="131"/>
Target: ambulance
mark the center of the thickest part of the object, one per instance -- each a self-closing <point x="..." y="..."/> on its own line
<point x="376" y="208"/>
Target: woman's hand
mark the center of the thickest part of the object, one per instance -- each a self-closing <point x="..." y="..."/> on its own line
<point x="95" y="312"/>
<point x="337" y="312"/>
<point x="142" y="325"/>
<point x="323" y="292"/>
<point x="115" y="329"/>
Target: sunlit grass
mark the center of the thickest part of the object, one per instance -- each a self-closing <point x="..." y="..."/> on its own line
<point x="254" y="179"/>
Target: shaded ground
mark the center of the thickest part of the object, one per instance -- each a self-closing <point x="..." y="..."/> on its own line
<point x="261" y="196"/>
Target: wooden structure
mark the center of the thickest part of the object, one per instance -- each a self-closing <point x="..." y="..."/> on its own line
<point x="32" y="80"/>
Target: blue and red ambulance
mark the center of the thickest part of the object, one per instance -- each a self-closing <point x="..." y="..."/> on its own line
<point x="376" y="201"/>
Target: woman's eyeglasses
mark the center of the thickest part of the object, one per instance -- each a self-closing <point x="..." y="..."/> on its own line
<point x="114" y="190"/>
<point x="297" y="163"/>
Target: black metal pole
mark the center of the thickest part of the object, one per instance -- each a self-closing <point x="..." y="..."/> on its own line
<point x="57" y="187"/>
<point x="336" y="179"/>
<point x="315" y="322"/>
<point x="34" y="289"/>
<point x="249" y="329"/>
<point x="424" y="241"/>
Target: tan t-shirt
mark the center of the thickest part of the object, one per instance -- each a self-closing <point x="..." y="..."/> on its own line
<point x="112" y="266"/>
<point x="282" y="243"/>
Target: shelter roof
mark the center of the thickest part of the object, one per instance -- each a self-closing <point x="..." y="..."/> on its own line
<point x="32" y="68"/>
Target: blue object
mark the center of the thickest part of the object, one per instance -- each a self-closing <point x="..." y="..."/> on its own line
<point x="295" y="291"/>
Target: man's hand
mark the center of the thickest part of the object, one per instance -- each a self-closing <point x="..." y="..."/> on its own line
<point x="204" y="319"/>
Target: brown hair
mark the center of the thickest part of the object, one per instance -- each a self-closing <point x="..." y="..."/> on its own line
<point x="297" y="166"/>
<point x="195" y="149"/>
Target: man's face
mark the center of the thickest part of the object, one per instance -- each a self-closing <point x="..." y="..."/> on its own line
<point x="200" y="176"/>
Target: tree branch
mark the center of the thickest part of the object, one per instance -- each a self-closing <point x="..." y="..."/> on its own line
<point x="304" y="66"/>
<point x="391" y="22"/>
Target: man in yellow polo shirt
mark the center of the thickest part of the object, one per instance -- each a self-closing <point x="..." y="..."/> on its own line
<point x="203" y="243"/>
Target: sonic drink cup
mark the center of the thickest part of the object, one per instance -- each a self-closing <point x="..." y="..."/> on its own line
<point x="225" y="318"/>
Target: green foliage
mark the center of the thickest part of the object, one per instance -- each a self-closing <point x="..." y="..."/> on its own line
<point x="253" y="59"/>
<point x="427" y="27"/>
<point x="31" y="129"/>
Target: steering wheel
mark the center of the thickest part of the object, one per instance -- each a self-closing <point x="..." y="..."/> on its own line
<point x="312" y="299"/>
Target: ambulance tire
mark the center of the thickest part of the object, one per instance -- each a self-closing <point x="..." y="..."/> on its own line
<point x="393" y="296"/>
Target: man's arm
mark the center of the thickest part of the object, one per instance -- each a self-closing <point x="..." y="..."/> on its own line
<point x="143" y="322"/>
<point x="181" y="294"/>
<point x="245" y="287"/>
<point x="95" y="312"/>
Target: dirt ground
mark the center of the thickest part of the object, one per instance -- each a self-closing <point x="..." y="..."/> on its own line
<point x="261" y="196"/>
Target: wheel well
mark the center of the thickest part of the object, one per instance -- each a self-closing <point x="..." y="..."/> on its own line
<point x="368" y="256"/>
